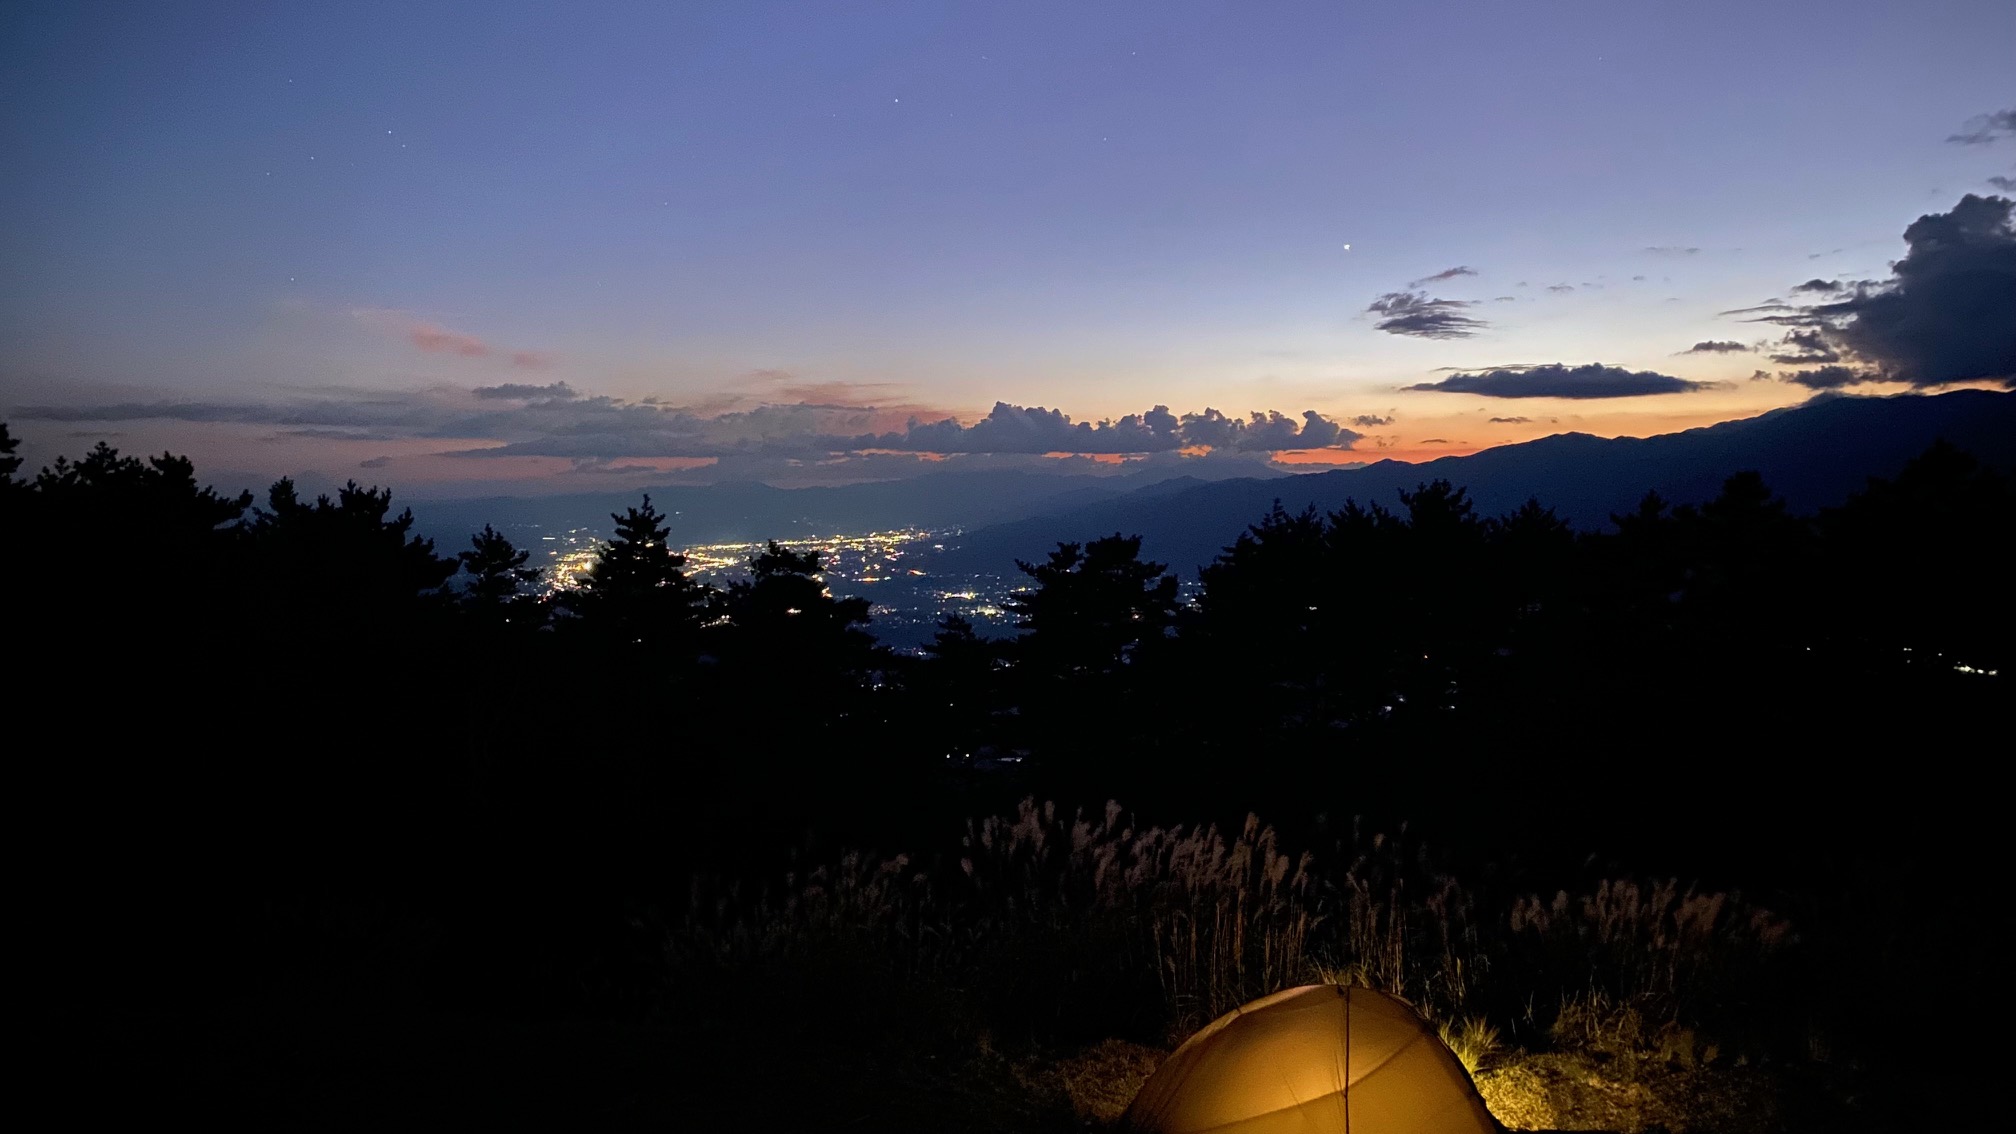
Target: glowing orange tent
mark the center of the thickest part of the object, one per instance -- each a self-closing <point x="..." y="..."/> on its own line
<point x="1320" y="1059"/>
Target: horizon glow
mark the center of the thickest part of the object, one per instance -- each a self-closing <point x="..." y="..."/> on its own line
<point x="320" y="231"/>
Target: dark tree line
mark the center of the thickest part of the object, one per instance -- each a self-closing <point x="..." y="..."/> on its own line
<point x="291" y="696"/>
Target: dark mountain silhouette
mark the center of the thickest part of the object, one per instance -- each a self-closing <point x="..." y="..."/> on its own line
<point x="1813" y="455"/>
<point x="748" y="511"/>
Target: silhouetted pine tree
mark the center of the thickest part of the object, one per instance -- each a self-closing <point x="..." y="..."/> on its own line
<point x="1094" y="607"/>
<point x="498" y="581"/>
<point x="9" y="463"/>
<point x="1093" y="628"/>
<point x="785" y="604"/>
<point x="1932" y="543"/>
<point x="637" y="593"/>
<point x="146" y="547"/>
<point x="347" y="558"/>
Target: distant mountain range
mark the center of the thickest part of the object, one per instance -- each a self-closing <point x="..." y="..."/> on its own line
<point x="1814" y="455"/>
<point x="733" y="512"/>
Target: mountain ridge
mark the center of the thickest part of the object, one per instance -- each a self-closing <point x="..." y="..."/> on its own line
<point x="1813" y="455"/>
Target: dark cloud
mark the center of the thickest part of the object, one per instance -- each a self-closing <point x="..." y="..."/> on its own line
<point x="1716" y="346"/>
<point x="1444" y="274"/>
<point x="1671" y="250"/>
<point x="1768" y="306"/>
<point x="522" y="392"/>
<point x="1823" y="377"/>
<point x="1510" y="420"/>
<point x="1819" y="286"/>
<point x="1371" y="421"/>
<point x="2006" y="184"/>
<point x="1435" y="441"/>
<point x="374" y="463"/>
<point x="1983" y="129"/>
<point x="1559" y="380"/>
<point x="1804" y="348"/>
<point x="1413" y="313"/>
<point x="1561" y="288"/>
<point x="1505" y="299"/>
<point x="1480" y="369"/>
<point x="1946" y="314"/>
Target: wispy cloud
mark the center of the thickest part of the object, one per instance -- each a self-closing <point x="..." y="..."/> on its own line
<point x="437" y="340"/>
<point x="1414" y="314"/>
<point x="1716" y="346"/>
<point x="1444" y="274"/>
<point x="1802" y="348"/>
<point x="1984" y="129"/>
<point x="432" y="338"/>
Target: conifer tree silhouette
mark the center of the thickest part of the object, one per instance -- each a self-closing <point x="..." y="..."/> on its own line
<point x="786" y="599"/>
<point x="1094" y="606"/>
<point x="9" y="463"/>
<point x="499" y="579"/>
<point x="637" y="592"/>
<point x="345" y="554"/>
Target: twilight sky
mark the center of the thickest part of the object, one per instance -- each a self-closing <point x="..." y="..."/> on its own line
<point x="531" y="247"/>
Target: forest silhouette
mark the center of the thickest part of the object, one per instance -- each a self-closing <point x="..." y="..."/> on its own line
<point x="243" y="720"/>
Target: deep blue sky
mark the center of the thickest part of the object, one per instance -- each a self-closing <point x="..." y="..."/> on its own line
<point x="1096" y="207"/>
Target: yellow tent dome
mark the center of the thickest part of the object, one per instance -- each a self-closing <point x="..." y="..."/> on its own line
<point x="1320" y="1059"/>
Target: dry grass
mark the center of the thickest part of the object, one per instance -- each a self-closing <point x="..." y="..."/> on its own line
<point x="1474" y="1040"/>
<point x="1070" y="928"/>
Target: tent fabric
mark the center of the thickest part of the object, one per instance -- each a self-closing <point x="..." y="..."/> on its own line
<point x="1320" y="1059"/>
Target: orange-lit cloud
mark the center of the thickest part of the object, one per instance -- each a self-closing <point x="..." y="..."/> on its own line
<point x="433" y="338"/>
<point x="436" y="340"/>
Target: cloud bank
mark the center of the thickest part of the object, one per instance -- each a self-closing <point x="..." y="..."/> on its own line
<point x="555" y="421"/>
<point x="1559" y="380"/>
